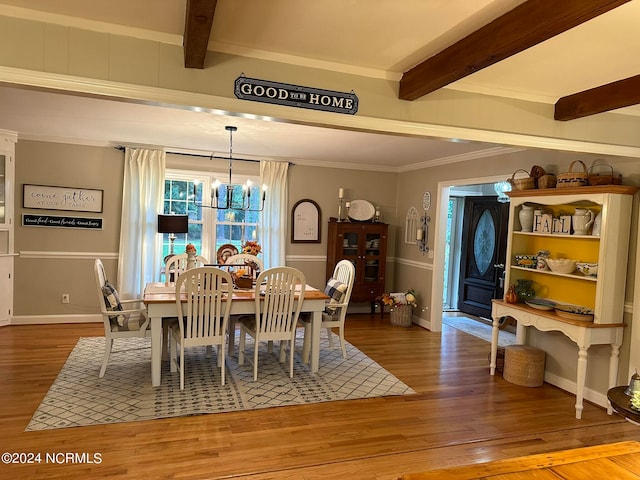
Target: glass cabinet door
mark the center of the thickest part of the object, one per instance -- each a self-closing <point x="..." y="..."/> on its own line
<point x="350" y="244"/>
<point x="372" y="257"/>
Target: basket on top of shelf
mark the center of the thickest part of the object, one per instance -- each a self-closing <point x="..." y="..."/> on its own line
<point x="527" y="183"/>
<point x="573" y="179"/>
<point x="603" y="178"/>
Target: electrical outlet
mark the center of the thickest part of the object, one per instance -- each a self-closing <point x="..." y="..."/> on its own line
<point x="65" y="298"/>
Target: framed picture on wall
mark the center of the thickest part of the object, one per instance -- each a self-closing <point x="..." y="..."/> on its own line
<point x="61" y="198"/>
<point x="305" y="222"/>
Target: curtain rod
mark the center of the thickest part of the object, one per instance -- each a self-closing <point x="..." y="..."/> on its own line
<point x="201" y="155"/>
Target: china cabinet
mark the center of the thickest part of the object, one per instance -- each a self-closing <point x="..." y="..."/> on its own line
<point x="588" y="308"/>
<point x="365" y="245"/>
<point x="7" y="169"/>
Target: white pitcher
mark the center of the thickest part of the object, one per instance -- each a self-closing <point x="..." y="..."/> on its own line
<point x="582" y="220"/>
<point x="597" y="224"/>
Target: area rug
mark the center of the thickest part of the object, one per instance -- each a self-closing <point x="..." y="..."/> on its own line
<point x="79" y="398"/>
<point x="479" y="329"/>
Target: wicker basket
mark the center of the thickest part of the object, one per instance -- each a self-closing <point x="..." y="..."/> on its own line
<point x="524" y="365"/>
<point x="600" y="178"/>
<point x="243" y="282"/>
<point x="527" y="183"/>
<point x="401" y="315"/>
<point x="573" y="179"/>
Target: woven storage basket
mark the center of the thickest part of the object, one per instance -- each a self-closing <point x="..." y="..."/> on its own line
<point x="527" y="183"/>
<point x="523" y="365"/>
<point x="401" y="315"/>
<point x="573" y="179"/>
<point x="604" y="178"/>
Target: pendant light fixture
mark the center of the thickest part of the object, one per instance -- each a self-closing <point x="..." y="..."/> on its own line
<point x="218" y="188"/>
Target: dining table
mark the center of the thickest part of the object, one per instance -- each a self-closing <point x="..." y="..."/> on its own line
<point x="160" y="301"/>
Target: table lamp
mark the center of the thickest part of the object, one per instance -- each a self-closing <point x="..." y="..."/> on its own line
<point x="172" y="224"/>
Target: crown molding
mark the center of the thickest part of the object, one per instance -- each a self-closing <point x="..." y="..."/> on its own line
<point x="92" y="25"/>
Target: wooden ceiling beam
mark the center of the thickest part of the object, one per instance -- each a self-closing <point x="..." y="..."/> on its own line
<point x="197" y="30"/>
<point x="530" y="23"/>
<point x="619" y="94"/>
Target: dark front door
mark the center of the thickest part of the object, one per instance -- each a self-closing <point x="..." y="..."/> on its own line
<point x="484" y="244"/>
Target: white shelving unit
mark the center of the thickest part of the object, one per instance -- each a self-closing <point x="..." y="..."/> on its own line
<point x="604" y="294"/>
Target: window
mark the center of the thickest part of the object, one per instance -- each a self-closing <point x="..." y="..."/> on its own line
<point x="209" y="228"/>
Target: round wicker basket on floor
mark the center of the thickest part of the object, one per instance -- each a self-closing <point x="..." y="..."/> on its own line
<point x="524" y="365"/>
<point x="401" y="315"/>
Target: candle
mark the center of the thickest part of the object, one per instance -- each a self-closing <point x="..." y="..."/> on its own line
<point x="348" y="204"/>
<point x="341" y="193"/>
<point x="419" y="234"/>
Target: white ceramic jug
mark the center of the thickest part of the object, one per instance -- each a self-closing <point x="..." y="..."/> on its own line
<point x="582" y="221"/>
<point x="526" y="218"/>
<point x="597" y="224"/>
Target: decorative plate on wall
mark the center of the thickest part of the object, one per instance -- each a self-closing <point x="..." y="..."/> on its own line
<point x="361" y="210"/>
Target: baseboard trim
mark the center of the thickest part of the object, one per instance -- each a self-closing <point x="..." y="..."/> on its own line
<point x="570" y="386"/>
<point x="54" y="319"/>
<point x="421" y="322"/>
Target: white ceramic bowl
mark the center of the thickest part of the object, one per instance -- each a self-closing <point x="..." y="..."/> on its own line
<point x="561" y="265"/>
<point x="585" y="268"/>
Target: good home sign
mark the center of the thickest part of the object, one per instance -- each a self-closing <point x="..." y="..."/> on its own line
<point x="61" y="198"/>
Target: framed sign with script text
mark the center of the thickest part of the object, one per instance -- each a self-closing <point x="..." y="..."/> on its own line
<point x="62" y="198"/>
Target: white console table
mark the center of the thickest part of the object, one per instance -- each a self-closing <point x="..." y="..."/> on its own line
<point x="584" y="334"/>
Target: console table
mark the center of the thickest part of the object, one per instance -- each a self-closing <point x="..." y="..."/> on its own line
<point x="583" y="334"/>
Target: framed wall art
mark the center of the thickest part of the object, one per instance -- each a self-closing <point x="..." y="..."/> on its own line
<point x="305" y="222"/>
<point x="62" y="198"/>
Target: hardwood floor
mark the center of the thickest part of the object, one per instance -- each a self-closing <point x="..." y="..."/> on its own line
<point x="460" y="415"/>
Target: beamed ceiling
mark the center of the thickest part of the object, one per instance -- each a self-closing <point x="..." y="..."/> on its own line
<point x="580" y="55"/>
<point x="527" y="25"/>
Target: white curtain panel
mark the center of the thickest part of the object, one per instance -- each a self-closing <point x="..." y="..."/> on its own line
<point x="140" y="257"/>
<point x="273" y="224"/>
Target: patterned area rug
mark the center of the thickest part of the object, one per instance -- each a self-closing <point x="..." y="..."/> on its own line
<point x="479" y="329"/>
<point x="79" y="398"/>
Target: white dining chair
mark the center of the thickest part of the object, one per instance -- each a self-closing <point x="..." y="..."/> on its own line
<point x="279" y="297"/>
<point x="121" y="318"/>
<point x="203" y="318"/>
<point x="177" y="264"/>
<point x="256" y="266"/>
<point x="339" y="288"/>
<point x="246" y="259"/>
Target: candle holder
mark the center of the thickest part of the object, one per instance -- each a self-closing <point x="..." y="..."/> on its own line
<point x="422" y="234"/>
<point x="347" y="205"/>
<point x="340" y="209"/>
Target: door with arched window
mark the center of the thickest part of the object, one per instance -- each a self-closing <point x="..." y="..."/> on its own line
<point x="484" y="245"/>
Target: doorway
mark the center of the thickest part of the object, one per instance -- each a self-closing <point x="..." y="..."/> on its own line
<point x="483" y="253"/>
<point x="448" y="238"/>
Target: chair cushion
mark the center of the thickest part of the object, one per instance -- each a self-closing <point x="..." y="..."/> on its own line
<point x="131" y="323"/>
<point x="112" y="302"/>
<point x="336" y="290"/>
